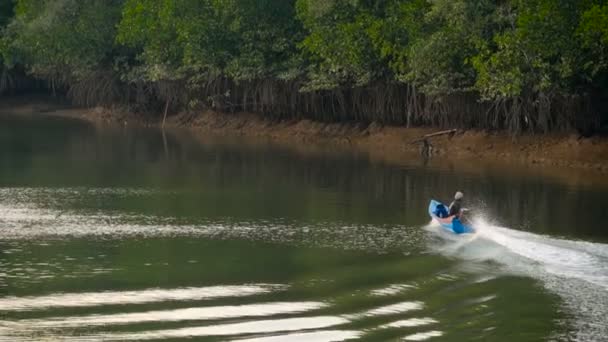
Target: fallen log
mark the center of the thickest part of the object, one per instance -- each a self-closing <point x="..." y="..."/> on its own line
<point x="426" y="149"/>
<point x="425" y="137"/>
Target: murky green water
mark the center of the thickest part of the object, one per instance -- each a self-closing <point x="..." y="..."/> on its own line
<point x="129" y="234"/>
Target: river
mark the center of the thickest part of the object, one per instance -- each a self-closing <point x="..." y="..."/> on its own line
<point x="126" y="233"/>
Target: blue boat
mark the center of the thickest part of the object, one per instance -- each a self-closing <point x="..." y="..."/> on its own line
<point x="450" y="223"/>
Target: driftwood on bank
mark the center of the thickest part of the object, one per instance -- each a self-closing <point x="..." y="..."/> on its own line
<point x="451" y="132"/>
<point x="426" y="148"/>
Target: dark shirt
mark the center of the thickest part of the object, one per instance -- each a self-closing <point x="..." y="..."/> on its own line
<point x="455" y="208"/>
<point x="441" y="211"/>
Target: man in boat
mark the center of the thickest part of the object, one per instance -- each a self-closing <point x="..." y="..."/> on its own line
<point x="456" y="205"/>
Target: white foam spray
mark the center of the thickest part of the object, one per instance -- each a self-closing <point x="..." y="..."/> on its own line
<point x="575" y="270"/>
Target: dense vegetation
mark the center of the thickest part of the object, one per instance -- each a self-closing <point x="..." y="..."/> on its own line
<point x="536" y="65"/>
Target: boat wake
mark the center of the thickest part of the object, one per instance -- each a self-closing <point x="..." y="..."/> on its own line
<point x="577" y="271"/>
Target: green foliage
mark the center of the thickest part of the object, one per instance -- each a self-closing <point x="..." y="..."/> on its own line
<point x="6" y="12"/>
<point x="537" y="53"/>
<point x="395" y="60"/>
<point x="61" y="40"/>
<point x="150" y="27"/>
<point x="199" y="40"/>
<point x="594" y="24"/>
<point x="447" y="36"/>
<point x="593" y="30"/>
<point x="394" y="32"/>
<point x="428" y="44"/>
<point x="266" y="35"/>
<point x="339" y="43"/>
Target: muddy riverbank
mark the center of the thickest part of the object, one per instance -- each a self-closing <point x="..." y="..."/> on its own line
<point x="391" y="144"/>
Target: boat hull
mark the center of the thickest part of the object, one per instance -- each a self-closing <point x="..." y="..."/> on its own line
<point x="450" y="223"/>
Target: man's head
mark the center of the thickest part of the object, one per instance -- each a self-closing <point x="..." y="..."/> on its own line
<point x="459" y="195"/>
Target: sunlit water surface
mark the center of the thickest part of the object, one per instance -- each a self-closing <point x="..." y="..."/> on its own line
<point x="131" y="234"/>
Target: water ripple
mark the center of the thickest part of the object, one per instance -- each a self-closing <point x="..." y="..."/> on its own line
<point x="88" y="299"/>
<point x="188" y="314"/>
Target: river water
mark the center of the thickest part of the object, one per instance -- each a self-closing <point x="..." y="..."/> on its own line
<point x="120" y="233"/>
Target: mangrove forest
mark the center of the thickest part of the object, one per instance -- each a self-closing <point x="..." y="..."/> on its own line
<point x="513" y="65"/>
